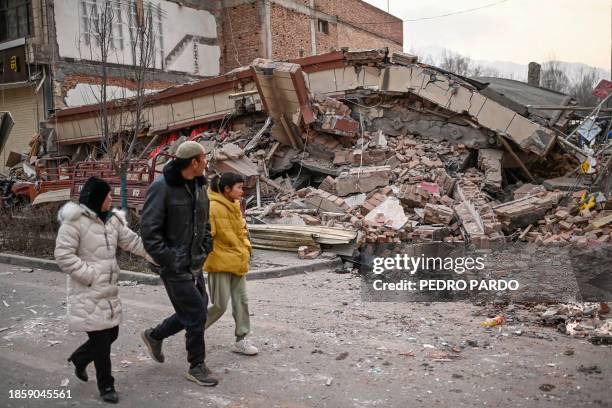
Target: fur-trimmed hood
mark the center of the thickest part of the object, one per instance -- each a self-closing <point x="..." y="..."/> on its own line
<point x="86" y="250"/>
<point x="71" y="211"/>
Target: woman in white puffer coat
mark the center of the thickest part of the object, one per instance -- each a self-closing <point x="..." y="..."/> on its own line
<point x="85" y="249"/>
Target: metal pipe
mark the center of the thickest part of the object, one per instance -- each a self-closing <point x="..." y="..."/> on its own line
<point x="42" y="81"/>
<point x="258" y="189"/>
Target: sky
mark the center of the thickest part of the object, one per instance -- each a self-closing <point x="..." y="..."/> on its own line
<point x="518" y="31"/>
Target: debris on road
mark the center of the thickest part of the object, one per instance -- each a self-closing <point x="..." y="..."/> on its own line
<point x="369" y="147"/>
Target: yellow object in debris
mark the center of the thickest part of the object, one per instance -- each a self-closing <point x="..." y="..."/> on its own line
<point x="496" y="321"/>
<point x="585" y="166"/>
<point x="588" y="166"/>
<point x="587" y="201"/>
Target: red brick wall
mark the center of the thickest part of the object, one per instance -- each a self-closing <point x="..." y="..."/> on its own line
<point x="326" y="6"/>
<point x="358" y="13"/>
<point x="327" y="42"/>
<point x="355" y="38"/>
<point x="290" y="32"/>
<point x="72" y="80"/>
<point x="247" y="35"/>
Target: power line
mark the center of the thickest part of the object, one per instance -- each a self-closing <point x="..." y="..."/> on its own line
<point x="454" y="13"/>
<point x="460" y="11"/>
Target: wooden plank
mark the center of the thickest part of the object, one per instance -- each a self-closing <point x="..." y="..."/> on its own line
<point x="600" y="222"/>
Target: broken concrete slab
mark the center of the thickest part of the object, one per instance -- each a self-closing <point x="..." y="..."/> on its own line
<point x="284" y="94"/>
<point x="490" y="162"/>
<point x="566" y="183"/>
<point x="389" y="213"/>
<point x="453" y="94"/>
<point x="524" y="211"/>
<point x="355" y="200"/>
<point x="602" y="221"/>
<point x="228" y="151"/>
<point x="527" y="190"/>
<point x="365" y="157"/>
<point x="362" y="180"/>
<point x="446" y="183"/>
<point x="324" y="201"/>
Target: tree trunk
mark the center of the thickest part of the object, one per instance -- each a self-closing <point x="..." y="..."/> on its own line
<point x="124" y="198"/>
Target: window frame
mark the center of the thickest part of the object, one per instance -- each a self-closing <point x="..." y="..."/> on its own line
<point x="21" y="5"/>
<point x="323" y="26"/>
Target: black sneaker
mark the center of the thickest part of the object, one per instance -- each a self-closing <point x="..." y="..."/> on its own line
<point x="109" y="395"/>
<point x="80" y="372"/>
<point x="154" y="346"/>
<point x="201" y="375"/>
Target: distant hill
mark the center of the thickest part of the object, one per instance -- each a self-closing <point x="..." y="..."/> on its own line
<point x="505" y="69"/>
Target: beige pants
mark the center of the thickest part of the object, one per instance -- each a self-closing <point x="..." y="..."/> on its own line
<point x="223" y="286"/>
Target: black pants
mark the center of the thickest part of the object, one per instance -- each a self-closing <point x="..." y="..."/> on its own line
<point x="97" y="349"/>
<point x="190" y="302"/>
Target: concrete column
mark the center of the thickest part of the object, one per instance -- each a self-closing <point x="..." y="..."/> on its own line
<point x="267" y="31"/>
<point x="313" y="29"/>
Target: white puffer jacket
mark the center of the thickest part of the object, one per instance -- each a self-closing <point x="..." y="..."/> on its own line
<point x="85" y="249"/>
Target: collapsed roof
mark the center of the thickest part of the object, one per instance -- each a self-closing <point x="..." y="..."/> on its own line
<point x="289" y="86"/>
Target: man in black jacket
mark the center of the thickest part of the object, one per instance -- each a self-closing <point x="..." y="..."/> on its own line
<point x="176" y="233"/>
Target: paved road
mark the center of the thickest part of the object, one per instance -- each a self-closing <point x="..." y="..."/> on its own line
<point x="321" y="346"/>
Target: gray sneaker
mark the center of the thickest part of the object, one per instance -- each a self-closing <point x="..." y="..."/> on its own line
<point x="154" y="346"/>
<point x="201" y="375"/>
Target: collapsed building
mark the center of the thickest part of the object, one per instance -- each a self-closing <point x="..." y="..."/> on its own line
<point x="370" y="146"/>
<point x="51" y="53"/>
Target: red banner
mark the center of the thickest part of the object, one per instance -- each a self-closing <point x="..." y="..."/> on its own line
<point x="603" y="89"/>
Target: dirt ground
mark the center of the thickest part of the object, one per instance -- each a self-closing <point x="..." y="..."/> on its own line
<point x="320" y="346"/>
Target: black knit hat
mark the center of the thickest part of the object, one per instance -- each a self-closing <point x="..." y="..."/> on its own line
<point x="94" y="193"/>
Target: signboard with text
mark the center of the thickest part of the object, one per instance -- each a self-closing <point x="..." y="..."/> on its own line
<point x="13" y="65"/>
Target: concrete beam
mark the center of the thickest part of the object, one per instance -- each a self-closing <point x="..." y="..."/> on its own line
<point x="288" y="4"/>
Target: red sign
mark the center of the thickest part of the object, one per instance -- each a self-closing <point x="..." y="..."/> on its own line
<point x="603" y="89"/>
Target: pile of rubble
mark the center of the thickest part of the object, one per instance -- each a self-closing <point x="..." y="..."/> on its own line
<point x="396" y="164"/>
<point x="395" y="151"/>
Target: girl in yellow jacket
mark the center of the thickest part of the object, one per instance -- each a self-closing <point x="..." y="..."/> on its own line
<point x="228" y="262"/>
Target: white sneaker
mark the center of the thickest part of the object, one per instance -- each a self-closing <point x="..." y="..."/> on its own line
<point x="244" y="347"/>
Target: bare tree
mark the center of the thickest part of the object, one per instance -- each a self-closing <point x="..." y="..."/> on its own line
<point x="120" y="120"/>
<point x="582" y="86"/>
<point x="455" y="62"/>
<point x="464" y="66"/>
<point x="554" y="77"/>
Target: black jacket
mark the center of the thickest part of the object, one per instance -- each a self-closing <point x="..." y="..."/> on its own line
<point x="174" y="225"/>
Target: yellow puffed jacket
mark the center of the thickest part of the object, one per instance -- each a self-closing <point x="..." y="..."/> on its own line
<point x="231" y="246"/>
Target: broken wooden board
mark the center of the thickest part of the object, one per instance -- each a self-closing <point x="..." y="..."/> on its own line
<point x="55" y="196"/>
<point x="320" y="234"/>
